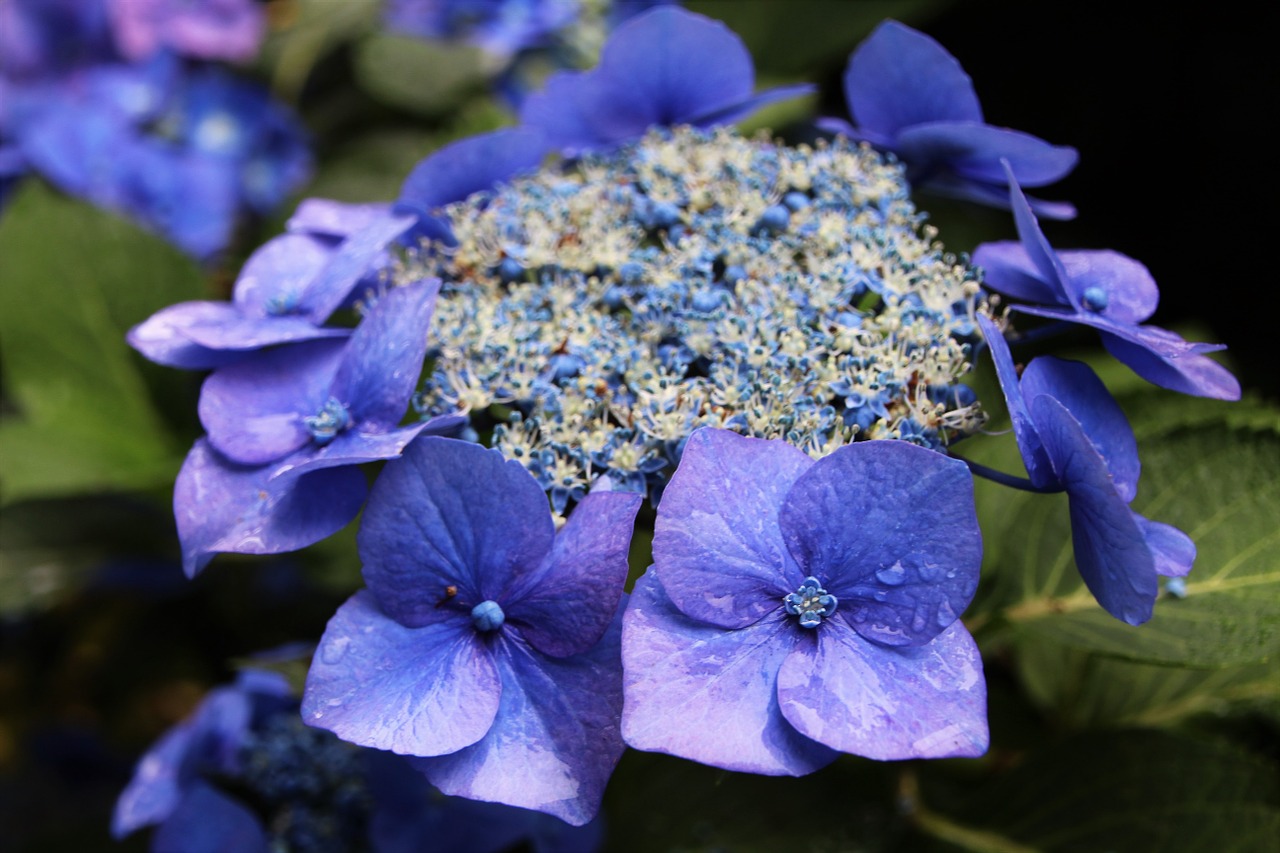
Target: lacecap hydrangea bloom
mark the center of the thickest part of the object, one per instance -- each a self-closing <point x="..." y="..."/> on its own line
<point x="763" y="340"/>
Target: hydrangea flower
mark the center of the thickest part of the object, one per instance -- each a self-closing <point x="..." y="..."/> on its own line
<point x="908" y="95"/>
<point x="486" y="641"/>
<point x="208" y="29"/>
<point x="798" y="608"/>
<point x="501" y="27"/>
<point x="1109" y="291"/>
<point x="280" y="421"/>
<point x="661" y="68"/>
<point x="1074" y="438"/>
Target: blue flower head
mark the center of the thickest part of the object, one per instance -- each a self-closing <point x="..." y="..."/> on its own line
<point x="799" y="609"/>
<point x="486" y="642"/>
<point x="1106" y="290"/>
<point x="908" y="95"/>
<point x="661" y="68"/>
<point x="1074" y="438"/>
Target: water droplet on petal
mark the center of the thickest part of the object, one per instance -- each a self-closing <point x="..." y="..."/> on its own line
<point x="335" y="650"/>
<point x="944" y="614"/>
<point x="892" y="575"/>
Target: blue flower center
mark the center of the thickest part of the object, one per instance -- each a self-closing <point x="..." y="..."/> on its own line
<point x="1095" y="299"/>
<point x="325" y="425"/>
<point x="487" y="616"/>
<point x="811" y="603"/>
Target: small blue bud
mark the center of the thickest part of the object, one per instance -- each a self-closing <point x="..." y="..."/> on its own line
<point x="325" y="425"/>
<point x="734" y="274"/>
<point x="707" y="299"/>
<point x="1177" y="587"/>
<point x="510" y="270"/>
<point x="487" y="616"/>
<point x="631" y="272"/>
<point x="796" y="201"/>
<point x="1095" y="299"/>
<point x="773" y="220"/>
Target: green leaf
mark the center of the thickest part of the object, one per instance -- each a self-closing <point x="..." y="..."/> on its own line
<point x="1127" y="790"/>
<point x="425" y="76"/>
<point x="75" y="279"/>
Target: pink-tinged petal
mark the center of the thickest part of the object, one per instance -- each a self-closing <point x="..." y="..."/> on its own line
<point x="1173" y="550"/>
<point x="254" y="409"/>
<point x="899" y="77"/>
<point x="162" y="337"/>
<point x="708" y="694"/>
<point x="335" y="219"/>
<point x="222" y="507"/>
<point x="555" y="740"/>
<point x="351" y="261"/>
<point x="889" y="704"/>
<point x="1029" y="444"/>
<point x="890" y="529"/>
<point x="717" y="546"/>
<point x="451" y="524"/>
<point x="664" y="67"/>
<point x="414" y="691"/>
<point x="1008" y="269"/>
<point x="1111" y="551"/>
<point x="980" y="152"/>
<point x="564" y="608"/>
<point x="382" y="363"/>
<point x="276" y="276"/>
<point x="1190" y="373"/>
<point x="1079" y="389"/>
<point x="209" y="821"/>
<point x="1131" y="292"/>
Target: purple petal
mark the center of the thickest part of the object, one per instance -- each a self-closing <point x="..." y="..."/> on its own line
<point x="1173" y="550"/>
<point x="555" y="740"/>
<point x="1159" y="342"/>
<point x="383" y="361"/>
<point x="890" y="529"/>
<point x="335" y="219"/>
<point x="208" y="821"/>
<point x="1110" y="550"/>
<point x="1082" y="393"/>
<point x="995" y="195"/>
<point x="472" y="165"/>
<point x="223" y="507"/>
<point x="414" y="691"/>
<point x="742" y="109"/>
<point x="162" y="336"/>
<point x="979" y="152"/>
<point x="245" y="334"/>
<point x="1192" y="374"/>
<point x="1008" y="269"/>
<point x="889" y="704"/>
<point x="717" y="546"/>
<point x="275" y="277"/>
<point x="708" y="694"/>
<point x="1034" y="456"/>
<point x="564" y="608"/>
<point x="353" y="448"/>
<point x="254" y="409"/>
<point x="1130" y="290"/>
<point x="349" y="263"/>
<point x="157" y="784"/>
<point x="664" y="67"/>
<point x="450" y="514"/>
<point x="900" y="77"/>
<point x="1034" y="242"/>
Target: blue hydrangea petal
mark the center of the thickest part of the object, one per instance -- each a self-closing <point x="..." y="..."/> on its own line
<point x="927" y="701"/>
<point x="891" y="531"/>
<point x="223" y="507"/>
<point x="350" y="261"/>
<point x="742" y="109"/>
<point x="414" y="691"/>
<point x="383" y="360"/>
<point x="243" y="335"/>
<point x="560" y="114"/>
<point x="254" y="409"/>
<point x="275" y="277"/>
<point x="664" y="67"/>
<point x="338" y="220"/>
<point x="1110" y="549"/>
<point x="700" y="692"/>
<point x="1131" y="292"/>
<point x="1079" y="389"/>
<point x="555" y="740"/>
<point x="1173" y="550"/>
<point x="979" y="152"/>
<point x="1042" y="255"/>
<point x="1034" y="456"/>
<point x="161" y="337"/>
<point x="1008" y="269"/>
<point x="716" y="545"/>
<point x="208" y="821"/>
<point x="899" y="77"/>
<point x="469" y="166"/>
<point x="997" y="195"/>
<point x="1191" y="373"/>
<point x="1161" y="343"/>
<point x="451" y="514"/>
<point x="353" y="448"/>
<point x="157" y="784"/>
<point x="564" y="608"/>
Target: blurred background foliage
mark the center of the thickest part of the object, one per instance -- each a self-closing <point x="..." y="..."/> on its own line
<point x="1163" y="737"/>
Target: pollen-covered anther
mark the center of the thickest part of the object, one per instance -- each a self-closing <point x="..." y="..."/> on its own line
<point x="325" y="425"/>
<point x="811" y="603"/>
